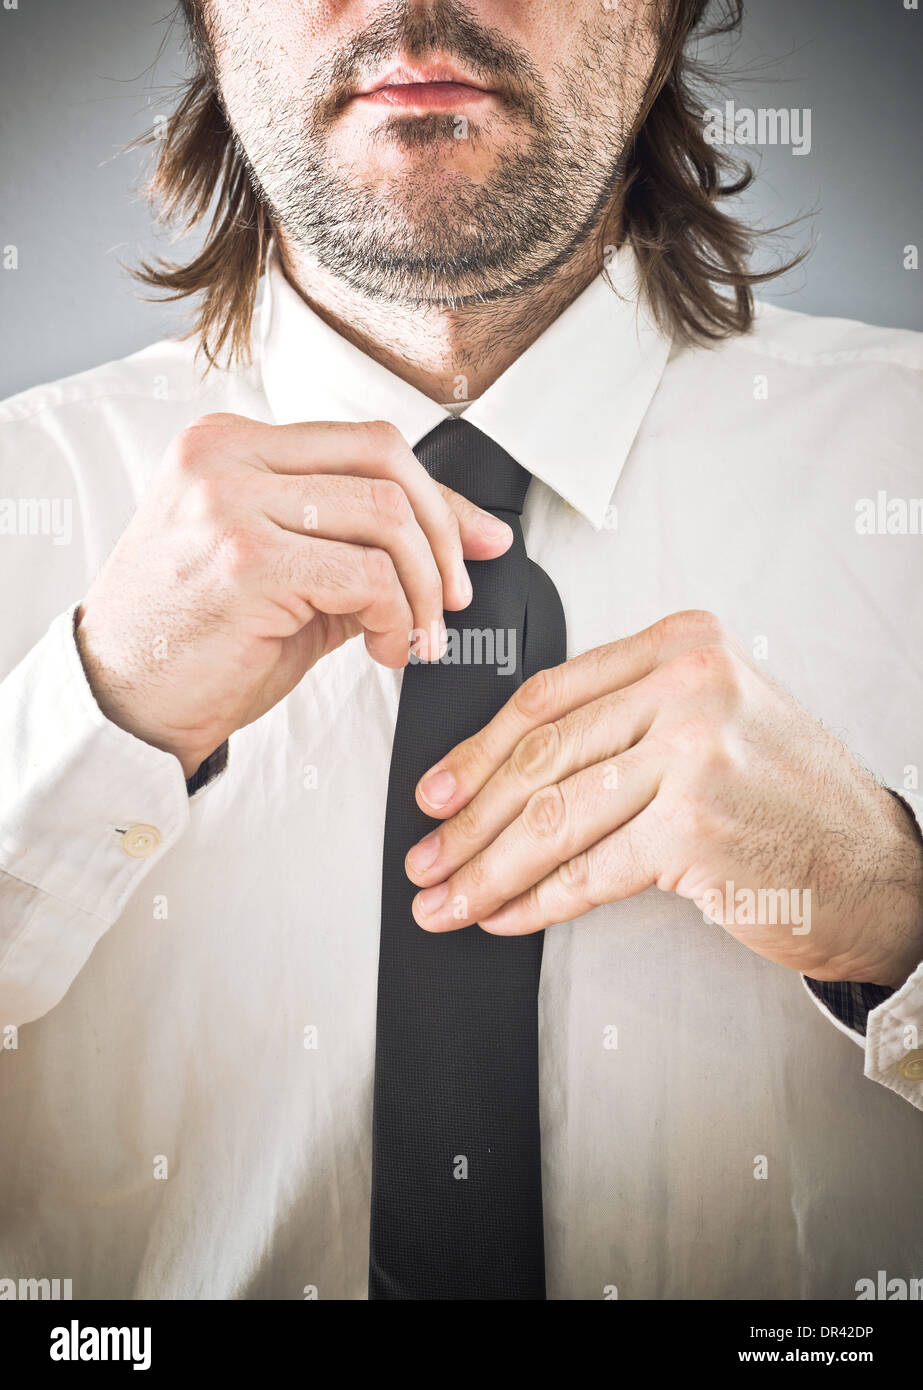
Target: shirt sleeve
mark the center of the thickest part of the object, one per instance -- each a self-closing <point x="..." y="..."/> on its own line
<point x="86" y="810"/>
<point x="887" y="1023"/>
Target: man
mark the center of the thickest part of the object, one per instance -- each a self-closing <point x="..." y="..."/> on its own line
<point x="274" y="896"/>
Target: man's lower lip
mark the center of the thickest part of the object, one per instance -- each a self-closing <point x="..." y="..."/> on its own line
<point x="426" y="95"/>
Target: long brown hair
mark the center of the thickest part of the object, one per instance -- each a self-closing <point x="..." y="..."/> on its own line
<point x="693" y="255"/>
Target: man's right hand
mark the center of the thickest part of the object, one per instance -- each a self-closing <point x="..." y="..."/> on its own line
<point x="257" y="550"/>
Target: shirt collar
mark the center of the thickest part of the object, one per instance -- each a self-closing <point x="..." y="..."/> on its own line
<point x="568" y="408"/>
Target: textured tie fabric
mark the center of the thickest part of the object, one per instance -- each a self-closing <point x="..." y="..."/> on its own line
<point x="456" y="1159"/>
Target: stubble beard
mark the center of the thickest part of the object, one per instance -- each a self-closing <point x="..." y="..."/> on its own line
<point x="436" y="236"/>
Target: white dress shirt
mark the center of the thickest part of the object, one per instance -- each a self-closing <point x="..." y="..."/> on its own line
<point x="185" y="1107"/>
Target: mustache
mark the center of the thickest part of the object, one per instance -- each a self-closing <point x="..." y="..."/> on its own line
<point x="447" y="28"/>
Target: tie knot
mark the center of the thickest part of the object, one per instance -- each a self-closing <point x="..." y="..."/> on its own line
<point x="458" y="455"/>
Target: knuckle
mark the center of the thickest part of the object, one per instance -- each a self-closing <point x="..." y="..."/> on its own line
<point x="536" y="698"/>
<point x="449" y="511"/>
<point x="689" y="739"/>
<point x="575" y="876"/>
<point x="711" y="668"/>
<point x="721" y="761"/>
<point x="468" y="758"/>
<point x="466" y="826"/>
<point x="432" y="594"/>
<point x="197" y="441"/>
<point x="696" y="623"/>
<point x="536" y="755"/>
<point x="448" y="519"/>
<point x="188" y="451"/>
<point x="545" y="813"/>
<point x="238" y="553"/>
<point x="477" y="876"/>
<point x="206" y="498"/>
<point x="599" y="659"/>
<point x="528" y="902"/>
<point x="711" y="676"/>
<point x="385" y="437"/>
<point x="425" y="607"/>
<point x="217" y="421"/>
<point x="391" y="504"/>
<point x="378" y="568"/>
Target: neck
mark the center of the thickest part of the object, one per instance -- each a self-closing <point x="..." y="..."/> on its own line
<point x="448" y="354"/>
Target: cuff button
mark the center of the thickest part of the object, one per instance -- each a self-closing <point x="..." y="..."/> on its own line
<point x="140" y="841"/>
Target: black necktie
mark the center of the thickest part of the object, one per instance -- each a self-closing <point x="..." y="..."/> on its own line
<point x="456" y="1157"/>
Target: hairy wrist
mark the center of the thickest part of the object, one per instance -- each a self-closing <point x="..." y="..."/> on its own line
<point x="891" y="929"/>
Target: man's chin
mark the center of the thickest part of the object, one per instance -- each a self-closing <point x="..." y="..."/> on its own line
<point x="418" y="280"/>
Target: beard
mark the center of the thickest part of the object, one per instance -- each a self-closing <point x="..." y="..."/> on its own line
<point x="435" y="235"/>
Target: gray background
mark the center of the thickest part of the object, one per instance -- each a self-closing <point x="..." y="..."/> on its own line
<point x="79" y="78"/>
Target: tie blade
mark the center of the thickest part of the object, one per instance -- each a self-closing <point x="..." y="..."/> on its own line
<point x="456" y="1207"/>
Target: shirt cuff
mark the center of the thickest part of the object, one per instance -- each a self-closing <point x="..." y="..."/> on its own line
<point x="86" y="811"/>
<point x="886" y="1022"/>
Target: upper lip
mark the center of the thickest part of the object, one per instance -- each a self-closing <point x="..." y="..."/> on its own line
<point x="408" y="74"/>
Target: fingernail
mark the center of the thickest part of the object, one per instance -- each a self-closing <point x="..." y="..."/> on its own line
<point x="424" y="854"/>
<point x="464" y="584"/>
<point x="492" y="526"/>
<point x="431" y="899"/>
<point x="437" y="790"/>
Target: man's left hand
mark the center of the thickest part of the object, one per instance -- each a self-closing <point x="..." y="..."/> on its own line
<point x="670" y="759"/>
